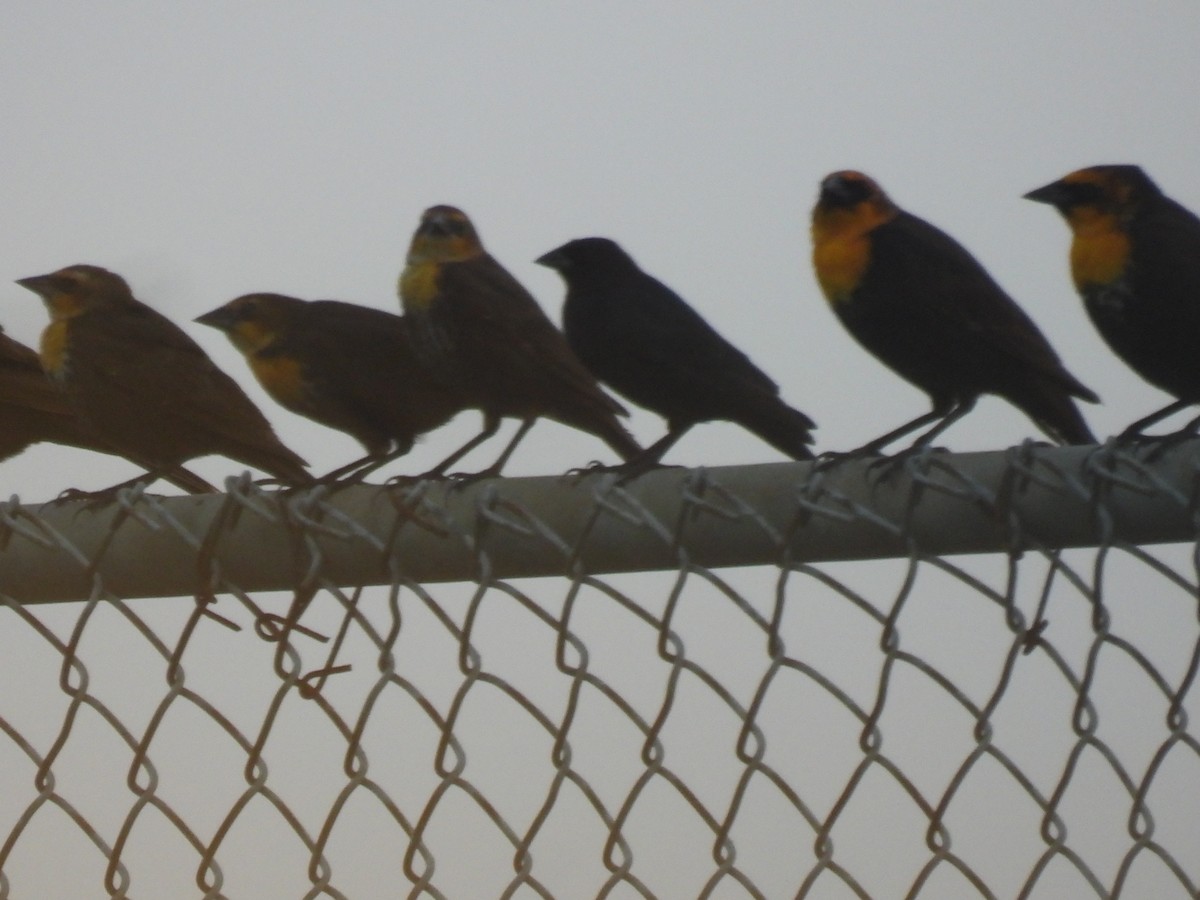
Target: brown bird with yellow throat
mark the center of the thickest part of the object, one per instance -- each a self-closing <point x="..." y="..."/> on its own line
<point x="927" y="309"/>
<point x="346" y="366"/>
<point x="142" y="385"/>
<point x="478" y="330"/>
<point x="1135" y="260"/>
<point x="33" y="410"/>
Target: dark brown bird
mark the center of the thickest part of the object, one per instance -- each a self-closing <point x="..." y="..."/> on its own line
<point x="477" y="329"/>
<point x="33" y="410"/>
<point x="924" y="306"/>
<point x="1135" y="260"/>
<point x="142" y="385"/>
<point x="346" y="366"/>
<point x="645" y="342"/>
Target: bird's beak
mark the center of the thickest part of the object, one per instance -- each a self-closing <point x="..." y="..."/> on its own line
<point x="1051" y="193"/>
<point x="42" y="285"/>
<point x="222" y="318"/>
<point x="555" y="259"/>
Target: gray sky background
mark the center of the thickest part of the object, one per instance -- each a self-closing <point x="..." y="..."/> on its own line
<point x="208" y="150"/>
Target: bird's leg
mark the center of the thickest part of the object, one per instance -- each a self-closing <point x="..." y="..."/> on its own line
<point x="956" y="412"/>
<point x="462" y="479"/>
<point x="490" y="424"/>
<point x="639" y="465"/>
<point x="356" y="470"/>
<point x="890" y="465"/>
<point x="874" y="448"/>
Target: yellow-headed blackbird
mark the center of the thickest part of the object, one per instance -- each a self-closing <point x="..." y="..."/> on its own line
<point x="1135" y="259"/>
<point x="346" y="366"/>
<point x="921" y="303"/>
<point x="643" y="340"/>
<point x="476" y="327"/>
<point x="33" y="410"/>
<point x="142" y="385"/>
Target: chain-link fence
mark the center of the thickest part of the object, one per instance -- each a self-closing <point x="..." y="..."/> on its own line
<point x="967" y="676"/>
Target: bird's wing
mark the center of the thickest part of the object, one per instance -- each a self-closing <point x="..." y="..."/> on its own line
<point x="660" y="329"/>
<point x="502" y="330"/>
<point x="159" y="370"/>
<point x="22" y="381"/>
<point x="951" y="292"/>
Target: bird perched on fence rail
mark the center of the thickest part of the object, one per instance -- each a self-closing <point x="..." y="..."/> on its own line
<point x="1135" y="260"/>
<point x="643" y="340"/>
<point x="32" y="410"/>
<point x="477" y="329"/>
<point x="142" y="385"/>
<point x="924" y="306"/>
<point x="346" y="366"/>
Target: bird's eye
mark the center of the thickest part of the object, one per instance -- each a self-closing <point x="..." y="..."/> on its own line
<point x="1089" y="193"/>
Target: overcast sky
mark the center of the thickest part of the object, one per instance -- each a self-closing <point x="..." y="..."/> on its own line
<point x="207" y="150"/>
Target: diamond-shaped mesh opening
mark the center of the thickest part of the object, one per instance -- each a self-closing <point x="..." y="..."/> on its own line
<point x="970" y="678"/>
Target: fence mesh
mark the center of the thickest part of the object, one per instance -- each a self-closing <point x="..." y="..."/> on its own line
<point x="970" y="676"/>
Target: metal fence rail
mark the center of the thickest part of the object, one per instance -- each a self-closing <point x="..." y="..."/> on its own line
<point x="969" y="676"/>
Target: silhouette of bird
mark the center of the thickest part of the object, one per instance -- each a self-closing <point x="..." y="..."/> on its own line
<point x="926" y="308"/>
<point x="1135" y="260"/>
<point x="349" y="367"/>
<point x="478" y="330"/>
<point x="142" y="385"/>
<point x="643" y="340"/>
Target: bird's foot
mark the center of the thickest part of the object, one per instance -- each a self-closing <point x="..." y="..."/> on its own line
<point x="831" y="459"/>
<point x="627" y="471"/>
<point x="887" y="468"/>
<point x="96" y="499"/>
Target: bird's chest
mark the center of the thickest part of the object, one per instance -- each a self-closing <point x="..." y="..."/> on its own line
<point x="283" y="377"/>
<point x="840" y="262"/>
<point x="55" y="350"/>
<point x="437" y="347"/>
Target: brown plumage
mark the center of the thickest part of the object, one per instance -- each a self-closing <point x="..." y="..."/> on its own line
<point x="346" y="366"/>
<point x="1135" y="260"/>
<point x="142" y="385"/>
<point x="924" y="306"/>
<point x="643" y="340"/>
<point x="476" y="328"/>
<point x="33" y="410"/>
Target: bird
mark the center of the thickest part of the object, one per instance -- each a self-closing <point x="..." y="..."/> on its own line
<point x="643" y="340"/>
<point x="475" y="327"/>
<point x="346" y="366"/>
<point x="1135" y="261"/>
<point x="142" y="384"/>
<point x="33" y="410"/>
<point x="925" y="307"/>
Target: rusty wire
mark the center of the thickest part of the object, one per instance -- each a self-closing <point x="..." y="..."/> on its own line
<point x="925" y="725"/>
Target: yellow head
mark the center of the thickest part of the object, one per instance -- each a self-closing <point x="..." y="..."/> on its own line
<point x="849" y="207"/>
<point x="1098" y="203"/>
<point x="253" y="322"/>
<point x="444" y="235"/>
